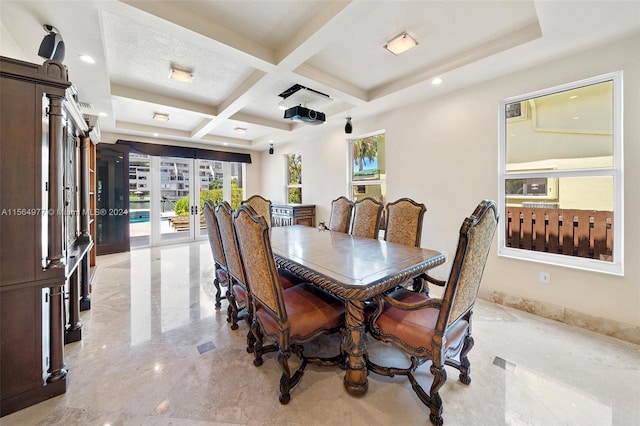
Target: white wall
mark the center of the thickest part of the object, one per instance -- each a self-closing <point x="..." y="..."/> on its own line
<point x="8" y="46"/>
<point x="444" y="152"/>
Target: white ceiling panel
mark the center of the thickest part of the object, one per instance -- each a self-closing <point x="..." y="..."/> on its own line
<point x="244" y="53"/>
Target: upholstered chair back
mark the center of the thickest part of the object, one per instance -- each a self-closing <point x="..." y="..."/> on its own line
<point x="366" y="218"/>
<point x="476" y="235"/>
<point x="224" y="216"/>
<point x="214" y="234"/>
<point x="261" y="205"/>
<point x="404" y="222"/>
<point x="340" y="218"/>
<point x="261" y="274"/>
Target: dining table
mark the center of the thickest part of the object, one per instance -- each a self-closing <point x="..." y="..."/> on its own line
<point x="355" y="270"/>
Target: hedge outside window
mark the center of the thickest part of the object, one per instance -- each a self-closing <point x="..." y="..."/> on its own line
<point x="294" y="178"/>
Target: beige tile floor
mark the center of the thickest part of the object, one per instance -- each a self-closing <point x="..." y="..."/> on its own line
<point x="155" y="351"/>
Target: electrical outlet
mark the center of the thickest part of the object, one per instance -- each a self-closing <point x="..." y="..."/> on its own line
<point x="545" y="278"/>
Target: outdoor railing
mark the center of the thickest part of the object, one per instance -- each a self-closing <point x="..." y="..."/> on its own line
<point x="582" y="233"/>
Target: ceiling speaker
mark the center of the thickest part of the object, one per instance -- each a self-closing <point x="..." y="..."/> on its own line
<point x="52" y="46"/>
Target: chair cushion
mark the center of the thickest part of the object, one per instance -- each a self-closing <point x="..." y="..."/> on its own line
<point x="309" y="309"/>
<point x="417" y="328"/>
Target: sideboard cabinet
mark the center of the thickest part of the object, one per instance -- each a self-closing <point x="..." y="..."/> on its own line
<point x="293" y="214"/>
<point x="44" y="228"/>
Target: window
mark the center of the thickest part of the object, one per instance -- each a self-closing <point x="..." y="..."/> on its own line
<point x="561" y="177"/>
<point x="368" y="167"/>
<point x="294" y="178"/>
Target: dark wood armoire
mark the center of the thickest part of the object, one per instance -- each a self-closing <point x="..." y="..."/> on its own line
<point x="45" y="229"/>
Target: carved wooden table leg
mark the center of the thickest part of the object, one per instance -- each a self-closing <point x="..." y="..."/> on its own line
<point x="355" y="344"/>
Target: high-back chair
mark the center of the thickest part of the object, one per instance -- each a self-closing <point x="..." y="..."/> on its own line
<point x="340" y="218"/>
<point x="438" y="330"/>
<point x="239" y="293"/>
<point x="403" y="225"/>
<point x="404" y="222"/>
<point x="261" y="205"/>
<point x="221" y="277"/>
<point x="366" y="218"/>
<point x="290" y="317"/>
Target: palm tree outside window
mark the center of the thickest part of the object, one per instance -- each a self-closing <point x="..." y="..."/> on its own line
<point x="368" y="166"/>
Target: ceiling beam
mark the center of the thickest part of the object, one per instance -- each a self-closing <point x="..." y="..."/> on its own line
<point x="128" y="92"/>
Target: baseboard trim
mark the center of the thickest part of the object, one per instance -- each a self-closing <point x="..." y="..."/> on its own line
<point x="608" y="327"/>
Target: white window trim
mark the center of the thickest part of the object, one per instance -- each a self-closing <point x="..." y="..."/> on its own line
<point x="616" y="171"/>
<point x="351" y="182"/>
<point x="286" y="174"/>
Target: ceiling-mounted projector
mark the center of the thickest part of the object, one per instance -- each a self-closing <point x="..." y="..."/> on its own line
<point x="305" y="115"/>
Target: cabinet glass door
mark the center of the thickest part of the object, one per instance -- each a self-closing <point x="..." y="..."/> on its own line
<point x="112" y="199"/>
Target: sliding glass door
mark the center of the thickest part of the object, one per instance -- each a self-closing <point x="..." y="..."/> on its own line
<point x="139" y="199"/>
<point x="169" y="193"/>
<point x="178" y="210"/>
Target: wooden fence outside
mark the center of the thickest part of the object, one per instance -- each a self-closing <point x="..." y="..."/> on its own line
<point x="582" y="233"/>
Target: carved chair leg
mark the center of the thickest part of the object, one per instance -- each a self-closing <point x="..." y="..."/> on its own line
<point x="232" y="310"/>
<point x="435" y="402"/>
<point x="465" y="365"/>
<point x="285" y="379"/>
<point x="257" y="345"/>
<point x="251" y="340"/>
<point x="219" y="297"/>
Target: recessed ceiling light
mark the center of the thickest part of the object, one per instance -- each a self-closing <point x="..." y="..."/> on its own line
<point x="573" y="97"/>
<point x="436" y="81"/>
<point x="401" y="44"/>
<point x="103" y="114"/>
<point x="181" y="73"/>
<point x="155" y="135"/>
<point x="160" y="116"/>
<point x="88" y="59"/>
<point x="240" y="130"/>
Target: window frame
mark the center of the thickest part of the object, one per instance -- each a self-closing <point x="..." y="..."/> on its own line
<point x="288" y="185"/>
<point x="382" y="182"/>
<point x="615" y="171"/>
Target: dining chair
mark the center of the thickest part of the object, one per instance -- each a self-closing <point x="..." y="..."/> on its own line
<point x="260" y="205"/>
<point x="340" y="218"/>
<point x="404" y="222"/>
<point x="238" y="293"/>
<point x="366" y="218"/>
<point x="221" y="277"/>
<point x="438" y="330"/>
<point x="287" y="317"/>
<point x="403" y="225"/>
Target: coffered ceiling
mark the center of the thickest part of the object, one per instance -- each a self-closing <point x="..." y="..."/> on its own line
<point x="243" y="54"/>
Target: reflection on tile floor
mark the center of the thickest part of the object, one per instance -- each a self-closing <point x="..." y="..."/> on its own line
<point x="155" y="351"/>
